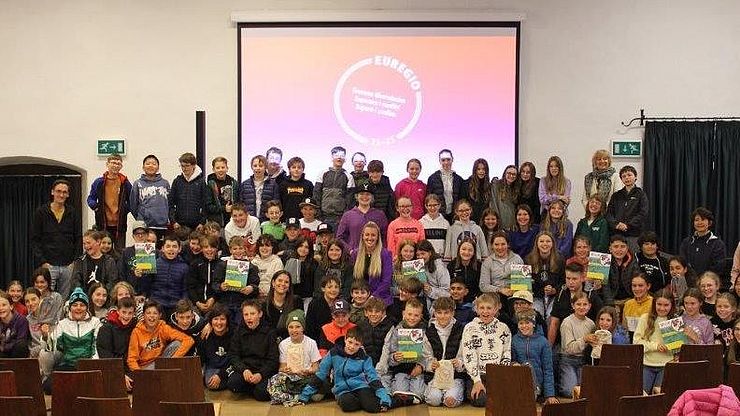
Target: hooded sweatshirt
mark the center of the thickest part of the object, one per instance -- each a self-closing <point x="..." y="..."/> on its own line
<point x="75" y="340"/>
<point x="458" y="230"/>
<point x="485" y="343"/>
<point x="188" y="198"/>
<point x="149" y="198"/>
<point x="14" y="335"/>
<point x="113" y="336"/>
<point x="495" y="272"/>
<point x="145" y="345"/>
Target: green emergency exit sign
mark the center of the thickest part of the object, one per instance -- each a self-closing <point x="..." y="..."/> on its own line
<point x="627" y="148"/>
<point x="110" y="146"/>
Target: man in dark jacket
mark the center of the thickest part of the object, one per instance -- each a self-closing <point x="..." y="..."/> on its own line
<point x="188" y="195"/>
<point x="56" y="237"/>
<point x="445" y="183"/>
<point x="253" y="354"/>
<point x="109" y="199"/>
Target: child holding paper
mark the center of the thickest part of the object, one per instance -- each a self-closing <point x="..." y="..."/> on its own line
<point x="405" y="355"/>
<point x="444" y="334"/>
<point x="649" y="336"/>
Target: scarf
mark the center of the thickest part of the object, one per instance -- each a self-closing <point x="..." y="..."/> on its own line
<point x="603" y="183"/>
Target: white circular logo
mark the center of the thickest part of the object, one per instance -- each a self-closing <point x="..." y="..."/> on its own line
<point x="378" y="100"/>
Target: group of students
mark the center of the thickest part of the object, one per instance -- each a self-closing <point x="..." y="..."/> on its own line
<point x="284" y="227"/>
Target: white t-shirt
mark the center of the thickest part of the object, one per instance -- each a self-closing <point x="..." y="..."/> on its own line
<point x="308" y="348"/>
<point x="312" y="226"/>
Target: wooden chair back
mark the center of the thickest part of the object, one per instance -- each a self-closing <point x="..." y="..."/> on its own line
<point x="603" y="385"/>
<point x="7" y="384"/>
<point x="67" y="386"/>
<point x="192" y="381"/>
<point x="733" y="377"/>
<point x="187" y="409"/>
<point x="153" y="386"/>
<point x="681" y="376"/>
<point x="712" y="353"/>
<point x="18" y="405"/>
<point x="574" y="408"/>
<point x="510" y="390"/>
<point x="27" y="380"/>
<point x="104" y="406"/>
<point x="113" y="373"/>
<point x="641" y="405"/>
<point x="630" y="355"/>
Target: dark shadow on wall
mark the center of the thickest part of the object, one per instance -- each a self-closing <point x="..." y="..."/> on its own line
<point x="23" y="188"/>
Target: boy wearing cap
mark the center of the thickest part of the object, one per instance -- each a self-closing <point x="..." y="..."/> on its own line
<point x="72" y="339"/>
<point x="337" y="328"/>
<point x="273" y="226"/>
<point x="299" y="360"/>
<point x="352" y="222"/>
<point x="522" y="301"/>
<point x="295" y="189"/>
<point x="384" y="199"/>
<point x="334" y="187"/>
<point x="309" y="222"/>
<point x="445" y="183"/>
<point x="532" y="349"/>
<point x="286" y="248"/>
<point x="324" y="234"/>
<point x="356" y="384"/>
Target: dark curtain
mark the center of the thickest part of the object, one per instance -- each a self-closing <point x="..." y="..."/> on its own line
<point x="19" y="197"/>
<point x="726" y="201"/>
<point x="678" y="176"/>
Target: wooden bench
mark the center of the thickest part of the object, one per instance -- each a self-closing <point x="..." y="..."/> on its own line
<point x="27" y="380"/>
<point x="641" y="405"/>
<point x="509" y="390"/>
<point x="112" y="369"/>
<point x="153" y="386"/>
<point x="192" y="381"/>
<point x="712" y="353"/>
<point x="603" y="385"/>
<point x="574" y="408"/>
<point x="67" y="386"/>
<point x="629" y="355"/>
<point x="104" y="406"/>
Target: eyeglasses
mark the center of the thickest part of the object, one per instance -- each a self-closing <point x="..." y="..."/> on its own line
<point x="405" y="206"/>
<point x="464" y="210"/>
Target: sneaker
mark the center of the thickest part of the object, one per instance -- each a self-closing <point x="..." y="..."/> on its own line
<point x="404" y="398"/>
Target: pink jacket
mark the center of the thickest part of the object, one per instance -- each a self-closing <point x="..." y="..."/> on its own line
<point x="719" y="401"/>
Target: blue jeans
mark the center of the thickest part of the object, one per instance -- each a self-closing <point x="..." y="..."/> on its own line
<point x="570" y="373"/>
<point x="61" y="277"/>
<point x="651" y="377"/>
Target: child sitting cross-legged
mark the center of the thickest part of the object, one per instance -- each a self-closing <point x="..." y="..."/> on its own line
<point x="444" y="335"/>
<point x="299" y="361"/>
<point x="356" y="384"/>
<point x="405" y="355"/>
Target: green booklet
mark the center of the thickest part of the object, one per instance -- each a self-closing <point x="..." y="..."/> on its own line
<point x="145" y="258"/>
<point x="411" y="344"/>
<point x="521" y="277"/>
<point x="237" y="273"/>
<point x="414" y="268"/>
<point x="673" y="335"/>
<point x="598" y="266"/>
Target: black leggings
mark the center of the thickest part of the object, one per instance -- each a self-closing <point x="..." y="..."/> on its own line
<point x="362" y="399"/>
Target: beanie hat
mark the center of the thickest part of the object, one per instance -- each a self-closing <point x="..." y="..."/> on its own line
<point x="79" y="296"/>
<point x="296" y="316"/>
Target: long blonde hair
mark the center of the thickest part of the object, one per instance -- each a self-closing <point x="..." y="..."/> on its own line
<point x="375" y="261"/>
<point x="560" y="227"/>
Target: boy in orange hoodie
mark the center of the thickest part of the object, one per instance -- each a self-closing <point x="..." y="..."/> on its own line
<point x="153" y="338"/>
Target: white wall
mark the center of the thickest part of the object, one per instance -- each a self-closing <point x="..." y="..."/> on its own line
<point x="72" y="72"/>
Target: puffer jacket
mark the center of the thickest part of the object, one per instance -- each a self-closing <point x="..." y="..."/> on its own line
<point x="168" y="285"/>
<point x="188" y="198"/>
<point x="537" y="352"/>
<point x="719" y="401"/>
<point x="75" y="340"/>
<point x="333" y="192"/>
<point x="248" y="195"/>
<point x="351" y="372"/>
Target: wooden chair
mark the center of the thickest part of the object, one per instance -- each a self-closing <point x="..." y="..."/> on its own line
<point x="18" y="405"/>
<point x="603" y="385"/>
<point x="153" y="386"/>
<point x="629" y="355"/>
<point x="510" y="390"/>
<point x="67" y="386"/>
<point x="681" y="376"/>
<point x="641" y="405"/>
<point x="574" y="408"/>
<point x="112" y="369"/>
<point x="733" y="377"/>
<point x="192" y="381"/>
<point x="27" y="380"/>
<point x="104" y="406"/>
<point x="7" y="384"/>
<point x="712" y="353"/>
<point x="187" y="409"/>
